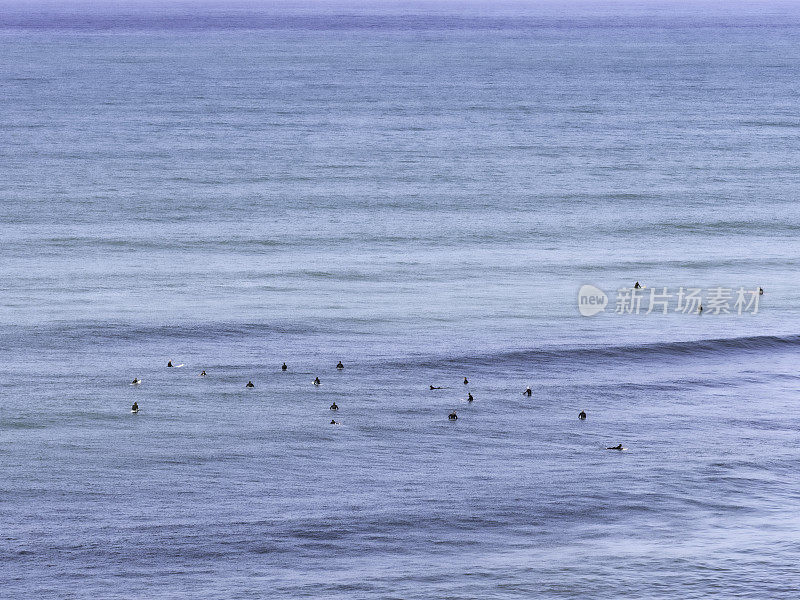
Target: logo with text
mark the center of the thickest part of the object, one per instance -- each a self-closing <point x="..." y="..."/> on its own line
<point x="591" y="300"/>
<point x="641" y="300"/>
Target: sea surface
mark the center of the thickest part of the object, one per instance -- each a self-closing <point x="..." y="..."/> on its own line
<point x="418" y="190"/>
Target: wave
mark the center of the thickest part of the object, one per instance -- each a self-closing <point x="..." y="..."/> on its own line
<point x="627" y="352"/>
<point x="58" y="334"/>
<point x="348" y="333"/>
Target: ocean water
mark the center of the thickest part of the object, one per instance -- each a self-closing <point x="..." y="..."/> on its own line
<point x="418" y="190"/>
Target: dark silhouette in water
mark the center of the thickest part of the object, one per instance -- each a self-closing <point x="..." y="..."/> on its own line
<point x="334" y="407"/>
<point x="452" y="416"/>
<point x="615" y="447"/>
<point x="700" y="310"/>
<point x="340" y="365"/>
<point x="316" y="381"/>
<point x="582" y="415"/>
<point x="760" y="291"/>
<point x="284" y="367"/>
<point x="465" y="381"/>
<point x="136" y="381"/>
<point x="203" y="374"/>
<point x="249" y="384"/>
<point x="637" y="286"/>
<point x="334" y="422"/>
<point x="470" y="398"/>
<point x="436" y="388"/>
<point x="527" y="392"/>
<point x="169" y="363"/>
<point x="135" y="407"/>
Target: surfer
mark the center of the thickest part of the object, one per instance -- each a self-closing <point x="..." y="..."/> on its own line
<point x="465" y="381"/>
<point x="136" y="381"/>
<point x="760" y="291"/>
<point x="249" y="384"/>
<point x="340" y="365"/>
<point x="637" y="286"/>
<point x="452" y="416"/>
<point x="169" y="363"/>
<point x="334" y="407"/>
<point x="615" y="447"/>
<point x="203" y="374"/>
<point x="284" y="367"/>
<point x="582" y="416"/>
<point x="436" y="388"/>
<point x="700" y="310"/>
<point x="135" y="407"/>
<point x="316" y="381"/>
<point x="334" y="422"/>
<point x="469" y="397"/>
<point x="527" y="392"/>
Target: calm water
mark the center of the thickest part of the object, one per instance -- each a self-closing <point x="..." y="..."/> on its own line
<point x="419" y="191"/>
